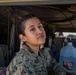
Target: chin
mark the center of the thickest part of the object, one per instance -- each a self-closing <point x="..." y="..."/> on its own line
<point x="42" y="42"/>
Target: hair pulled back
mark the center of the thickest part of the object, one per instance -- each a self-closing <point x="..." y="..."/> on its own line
<point x="20" y="25"/>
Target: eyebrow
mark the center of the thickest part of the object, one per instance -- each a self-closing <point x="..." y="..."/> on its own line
<point x="39" y="23"/>
<point x="33" y="25"/>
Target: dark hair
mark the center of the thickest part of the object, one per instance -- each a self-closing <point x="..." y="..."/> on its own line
<point x="20" y="25"/>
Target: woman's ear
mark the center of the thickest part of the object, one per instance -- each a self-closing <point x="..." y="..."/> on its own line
<point x="22" y="37"/>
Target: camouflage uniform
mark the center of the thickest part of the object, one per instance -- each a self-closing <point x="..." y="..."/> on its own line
<point x="26" y="62"/>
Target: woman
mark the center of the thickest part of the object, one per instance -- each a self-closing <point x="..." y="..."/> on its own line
<point x="31" y="60"/>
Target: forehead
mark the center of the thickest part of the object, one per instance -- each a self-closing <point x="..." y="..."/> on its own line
<point x="32" y="21"/>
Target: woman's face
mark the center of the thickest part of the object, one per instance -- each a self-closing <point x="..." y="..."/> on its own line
<point x="34" y="32"/>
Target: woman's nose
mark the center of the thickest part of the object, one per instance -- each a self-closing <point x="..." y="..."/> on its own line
<point x="39" y="30"/>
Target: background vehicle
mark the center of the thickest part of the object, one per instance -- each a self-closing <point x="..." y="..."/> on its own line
<point x="56" y="15"/>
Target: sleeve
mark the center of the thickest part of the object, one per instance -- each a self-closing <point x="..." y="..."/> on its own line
<point x="53" y="67"/>
<point x="18" y="67"/>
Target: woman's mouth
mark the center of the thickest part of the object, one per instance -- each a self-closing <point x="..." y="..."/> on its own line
<point x="41" y="36"/>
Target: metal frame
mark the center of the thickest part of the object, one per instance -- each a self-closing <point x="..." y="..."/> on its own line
<point x="35" y="2"/>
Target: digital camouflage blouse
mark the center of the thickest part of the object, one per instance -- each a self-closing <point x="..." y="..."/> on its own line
<point x="26" y="62"/>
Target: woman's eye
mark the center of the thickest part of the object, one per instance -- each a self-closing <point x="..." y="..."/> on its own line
<point x="40" y="26"/>
<point x="32" y="29"/>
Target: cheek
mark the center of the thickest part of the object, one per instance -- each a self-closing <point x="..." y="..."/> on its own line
<point x="30" y="35"/>
<point x="31" y="38"/>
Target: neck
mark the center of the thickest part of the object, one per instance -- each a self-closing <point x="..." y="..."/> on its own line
<point x="35" y="48"/>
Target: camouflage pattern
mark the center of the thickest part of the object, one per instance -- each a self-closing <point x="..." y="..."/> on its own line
<point x="26" y="62"/>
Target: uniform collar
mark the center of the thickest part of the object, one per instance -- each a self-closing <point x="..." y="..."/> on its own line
<point x="26" y="47"/>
